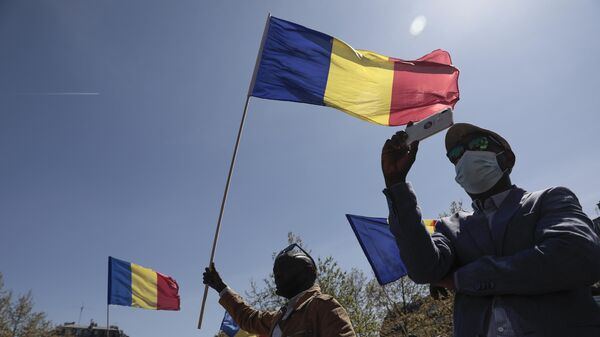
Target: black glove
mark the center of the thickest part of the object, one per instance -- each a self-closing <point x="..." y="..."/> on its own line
<point x="212" y="279"/>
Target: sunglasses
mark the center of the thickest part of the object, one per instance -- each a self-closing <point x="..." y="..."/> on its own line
<point x="479" y="143"/>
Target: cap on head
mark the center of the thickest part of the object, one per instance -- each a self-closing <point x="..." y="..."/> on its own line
<point x="460" y="132"/>
<point x="295" y="253"/>
<point x="294" y="271"/>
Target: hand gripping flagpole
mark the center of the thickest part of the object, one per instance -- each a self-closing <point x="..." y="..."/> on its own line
<point x="232" y="165"/>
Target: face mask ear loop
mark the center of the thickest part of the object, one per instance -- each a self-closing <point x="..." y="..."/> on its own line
<point x="503" y="161"/>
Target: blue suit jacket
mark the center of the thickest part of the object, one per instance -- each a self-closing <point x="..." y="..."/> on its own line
<point x="538" y="261"/>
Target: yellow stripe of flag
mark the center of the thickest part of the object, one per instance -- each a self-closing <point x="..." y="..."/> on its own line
<point x="143" y="287"/>
<point x="360" y="81"/>
<point x="430" y="225"/>
<point x="242" y="333"/>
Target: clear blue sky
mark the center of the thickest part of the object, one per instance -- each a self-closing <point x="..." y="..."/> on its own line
<point x="136" y="168"/>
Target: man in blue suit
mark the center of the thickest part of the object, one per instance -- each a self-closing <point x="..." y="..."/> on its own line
<point x="521" y="263"/>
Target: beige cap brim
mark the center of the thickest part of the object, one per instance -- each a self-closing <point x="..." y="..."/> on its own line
<point x="459" y="131"/>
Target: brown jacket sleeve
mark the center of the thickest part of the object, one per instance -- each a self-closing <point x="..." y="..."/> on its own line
<point x="248" y="318"/>
<point x="334" y="321"/>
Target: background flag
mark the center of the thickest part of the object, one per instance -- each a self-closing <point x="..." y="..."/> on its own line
<point x="132" y="285"/>
<point x="379" y="245"/>
<point x="231" y="329"/>
<point x="302" y="65"/>
<point x="430" y="225"/>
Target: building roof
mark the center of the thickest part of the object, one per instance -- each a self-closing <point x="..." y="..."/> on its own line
<point x="92" y="329"/>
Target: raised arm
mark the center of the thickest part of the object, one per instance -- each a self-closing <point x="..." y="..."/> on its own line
<point x="247" y="318"/>
<point x="427" y="258"/>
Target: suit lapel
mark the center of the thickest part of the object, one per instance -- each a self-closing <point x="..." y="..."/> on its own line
<point x="503" y="216"/>
<point x="477" y="227"/>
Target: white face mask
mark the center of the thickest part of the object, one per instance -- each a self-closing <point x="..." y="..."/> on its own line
<point x="478" y="171"/>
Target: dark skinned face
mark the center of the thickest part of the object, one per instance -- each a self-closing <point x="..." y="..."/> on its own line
<point x="291" y="277"/>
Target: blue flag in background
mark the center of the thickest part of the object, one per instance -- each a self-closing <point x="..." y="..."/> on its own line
<point x="231" y="329"/>
<point x="379" y="245"/>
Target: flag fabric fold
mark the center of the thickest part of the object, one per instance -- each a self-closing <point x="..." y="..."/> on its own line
<point x="380" y="247"/>
<point x="299" y="64"/>
<point x="132" y="285"/>
<point x="231" y="329"/>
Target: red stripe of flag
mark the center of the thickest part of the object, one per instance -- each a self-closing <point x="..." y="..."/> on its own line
<point x="167" y="293"/>
<point x="423" y="87"/>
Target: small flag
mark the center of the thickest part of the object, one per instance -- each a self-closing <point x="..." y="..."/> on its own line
<point x="132" y="285"/>
<point x="231" y="329"/>
<point x="299" y="64"/>
<point x="430" y="225"/>
<point x="379" y="245"/>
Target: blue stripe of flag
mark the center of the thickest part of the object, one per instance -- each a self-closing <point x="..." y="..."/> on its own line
<point x="228" y="326"/>
<point x="119" y="282"/>
<point x="294" y="65"/>
<point x="379" y="245"/>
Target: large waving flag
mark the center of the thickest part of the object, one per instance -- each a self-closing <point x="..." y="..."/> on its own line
<point x="302" y="65"/>
<point x="379" y="245"/>
<point x="231" y="329"/>
<point x="132" y="285"/>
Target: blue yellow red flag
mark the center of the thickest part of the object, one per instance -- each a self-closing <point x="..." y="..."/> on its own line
<point x="299" y="64"/>
<point x="132" y="285"/>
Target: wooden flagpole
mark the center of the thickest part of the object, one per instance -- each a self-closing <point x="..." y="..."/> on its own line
<point x="231" y="166"/>
<point x="107" y="321"/>
<point x="107" y="300"/>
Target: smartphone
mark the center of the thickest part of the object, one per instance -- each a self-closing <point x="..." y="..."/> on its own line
<point x="429" y="126"/>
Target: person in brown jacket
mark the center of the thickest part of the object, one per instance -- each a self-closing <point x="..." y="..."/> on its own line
<point x="308" y="312"/>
